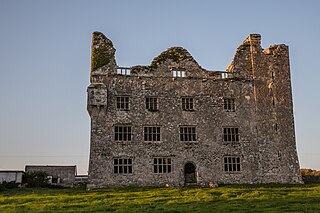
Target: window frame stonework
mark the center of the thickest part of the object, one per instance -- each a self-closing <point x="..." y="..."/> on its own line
<point x="188" y="136"/>
<point x="162" y="165"/>
<point x="231" y="135"/>
<point x="123" y="102"/>
<point x="152" y="103"/>
<point x="187" y="103"/>
<point x="152" y="133"/>
<point x="122" y="165"/>
<point x="231" y="164"/>
<point x="125" y="135"/>
<point x="229" y="104"/>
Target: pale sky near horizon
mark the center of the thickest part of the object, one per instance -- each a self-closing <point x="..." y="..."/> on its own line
<point x="45" y="63"/>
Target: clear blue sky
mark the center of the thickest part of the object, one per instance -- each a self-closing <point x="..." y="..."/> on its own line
<point x="45" y="63"/>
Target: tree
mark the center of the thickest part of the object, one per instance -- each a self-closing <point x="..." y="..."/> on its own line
<point x="36" y="179"/>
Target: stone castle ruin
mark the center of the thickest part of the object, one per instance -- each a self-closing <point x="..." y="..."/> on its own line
<point x="174" y="122"/>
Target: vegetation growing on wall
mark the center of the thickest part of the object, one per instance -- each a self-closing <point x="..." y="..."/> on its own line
<point x="102" y="51"/>
<point x="310" y="176"/>
<point x="139" y="68"/>
<point x="176" y="54"/>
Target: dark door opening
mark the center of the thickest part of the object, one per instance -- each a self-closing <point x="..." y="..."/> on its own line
<point x="190" y="173"/>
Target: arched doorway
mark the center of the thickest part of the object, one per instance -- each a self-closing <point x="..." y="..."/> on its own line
<point x="190" y="173"/>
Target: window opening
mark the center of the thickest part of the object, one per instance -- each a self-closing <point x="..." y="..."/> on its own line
<point x="187" y="104"/>
<point x="188" y="133"/>
<point x="231" y="134"/>
<point x="122" y="165"/>
<point x="152" y="103"/>
<point x="162" y="165"/>
<point x="229" y="104"/>
<point x="151" y="133"/>
<point x="123" y="71"/>
<point x="231" y="164"/>
<point x="178" y="73"/>
<point x="123" y="103"/>
<point x="122" y="133"/>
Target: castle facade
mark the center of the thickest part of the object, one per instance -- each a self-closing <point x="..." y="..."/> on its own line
<point x="174" y="122"/>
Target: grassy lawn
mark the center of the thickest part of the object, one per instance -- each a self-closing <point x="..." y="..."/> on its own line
<point x="229" y="198"/>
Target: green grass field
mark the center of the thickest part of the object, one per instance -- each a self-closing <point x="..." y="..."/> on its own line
<point x="229" y="198"/>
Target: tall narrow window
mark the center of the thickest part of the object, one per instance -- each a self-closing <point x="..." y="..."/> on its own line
<point x="229" y="104"/>
<point x="231" y="134"/>
<point x="162" y="165"/>
<point x="231" y="164"/>
<point x="187" y="104"/>
<point x="152" y="103"/>
<point x="123" y="102"/>
<point x="151" y="133"/>
<point x="122" y="133"/>
<point x="122" y="165"/>
<point x="188" y="133"/>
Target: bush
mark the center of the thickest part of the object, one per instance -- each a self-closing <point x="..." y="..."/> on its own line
<point x="36" y="179"/>
<point x="8" y="185"/>
<point x="310" y="176"/>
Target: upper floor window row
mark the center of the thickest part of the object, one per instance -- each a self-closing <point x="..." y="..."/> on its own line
<point x="187" y="103"/>
<point x="186" y="133"/>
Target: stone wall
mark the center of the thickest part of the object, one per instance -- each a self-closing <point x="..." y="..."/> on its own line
<point x="263" y="115"/>
<point x="59" y="175"/>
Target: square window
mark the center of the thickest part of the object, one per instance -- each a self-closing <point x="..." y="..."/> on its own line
<point x="122" y="102"/>
<point x="122" y="165"/>
<point x="122" y="133"/>
<point x="151" y="133"/>
<point x="187" y="104"/>
<point x="231" y="134"/>
<point x="162" y="165"/>
<point x="188" y="133"/>
<point x="152" y="104"/>
<point x="231" y="164"/>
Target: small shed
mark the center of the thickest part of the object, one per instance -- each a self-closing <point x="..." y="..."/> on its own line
<point x="11" y="176"/>
<point x="58" y="175"/>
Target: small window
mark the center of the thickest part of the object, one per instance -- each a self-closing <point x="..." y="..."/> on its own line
<point x="229" y="104"/>
<point x="151" y="133"/>
<point x="178" y="73"/>
<point x="187" y="104"/>
<point x="188" y="133"/>
<point x="152" y="104"/>
<point x="122" y="166"/>
<point x="123" y="71"/>
<point x="162" y="165"/>
<point x="275" y="127"/>
<point x="123" y="102"/>
<point x="231" y="164"/>
<point x="55" y="180"/>
<point x="231" y="134"/>
<point x="122" y="133"/>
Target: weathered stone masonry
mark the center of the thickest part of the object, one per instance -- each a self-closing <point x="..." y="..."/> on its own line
<point x="174" y="122"/>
